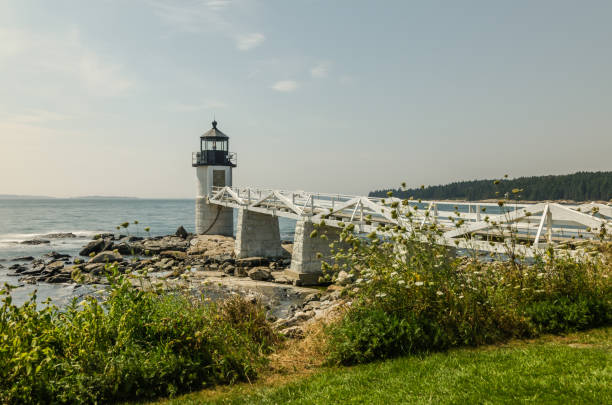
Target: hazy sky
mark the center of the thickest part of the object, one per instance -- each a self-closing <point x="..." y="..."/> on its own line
<point x="110" y="97"/>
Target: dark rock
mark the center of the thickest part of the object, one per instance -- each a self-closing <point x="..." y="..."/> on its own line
<point x="181" y="232"/>
<point x="54" y="267"/>
<point x="94" y="268"/>
<point x="94" y="246"/>
<point x="222" y="259"/>
<point x="23" y="259"/>
<point x="252" y="262"/>
<point x="18" y="268"/>
<point x="56" y="255"/>
<point x="106" y="257"/>
<point x="228" y="268"/>
<point x="260" y="274"/>
<point x="125" y="248"/>
<point x="60" y="235"/>
<point x="59" y="278"/>
<point x="35" y="242"/>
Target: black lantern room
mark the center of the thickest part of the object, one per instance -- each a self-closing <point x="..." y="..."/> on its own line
<point x="214" y="149"/>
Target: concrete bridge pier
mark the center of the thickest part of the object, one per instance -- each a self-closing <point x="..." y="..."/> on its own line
<point x="257" y="235"/>
<point x="305" y="265"/>
<point x="212" y="219"/>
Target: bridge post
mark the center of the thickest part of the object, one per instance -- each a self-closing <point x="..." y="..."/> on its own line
<point x="213" y="219"/>
<point x="305" y="265"/>
<point x="257" y="235"/>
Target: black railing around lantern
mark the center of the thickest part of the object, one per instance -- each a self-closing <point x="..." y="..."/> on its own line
<point x="214" y="157"/>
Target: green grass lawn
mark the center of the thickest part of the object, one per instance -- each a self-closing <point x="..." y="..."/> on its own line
<point x="572" y="369"/>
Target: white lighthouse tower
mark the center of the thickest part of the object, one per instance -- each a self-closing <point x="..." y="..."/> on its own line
<point x="213" y="165"/>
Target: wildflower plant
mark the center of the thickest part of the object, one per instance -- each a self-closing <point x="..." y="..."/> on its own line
<point x="413" y="294"/>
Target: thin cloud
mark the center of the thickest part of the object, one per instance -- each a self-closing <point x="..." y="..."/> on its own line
<point x="285" y="86"/>
<point x="321" y="70"/>
<point x="64" y="55"/>
<point x="249" y="41"/>
<point x="209" y="16"/>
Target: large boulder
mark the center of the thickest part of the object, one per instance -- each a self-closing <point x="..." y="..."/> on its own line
<point x="54" y="266"/>
<point x="260" y="274"/>
<point x="106" y="257"/>
<point x="96" y="246"/>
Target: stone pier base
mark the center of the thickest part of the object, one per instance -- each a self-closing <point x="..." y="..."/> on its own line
<point x="305" y="265"/>
<point x="212" y="219"/>
<point x="257" y="235"/>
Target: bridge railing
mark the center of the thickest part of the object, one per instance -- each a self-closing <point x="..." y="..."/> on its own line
<point x="483" y="221"/>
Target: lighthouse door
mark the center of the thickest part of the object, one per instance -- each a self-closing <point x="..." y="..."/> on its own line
<point x="218" y="178"/>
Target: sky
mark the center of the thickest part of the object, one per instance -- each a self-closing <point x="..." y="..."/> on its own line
<point x="110" y="97"/>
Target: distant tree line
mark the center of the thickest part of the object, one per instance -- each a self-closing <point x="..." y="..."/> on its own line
<point x="580" y="186"/>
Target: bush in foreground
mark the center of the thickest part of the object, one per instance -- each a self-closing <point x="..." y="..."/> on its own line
<point x="411" y="296"/>
<point x="136" y="343"/>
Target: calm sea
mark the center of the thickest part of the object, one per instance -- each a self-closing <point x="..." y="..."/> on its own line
<point x="24" y="219"/>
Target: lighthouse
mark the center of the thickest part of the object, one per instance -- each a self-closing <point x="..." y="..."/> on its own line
<point x="213" y="165"/>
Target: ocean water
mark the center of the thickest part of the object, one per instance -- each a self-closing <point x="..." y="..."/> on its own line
<point x="24" y="219"/>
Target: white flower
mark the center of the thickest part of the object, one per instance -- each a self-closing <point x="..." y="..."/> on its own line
<point x="461" y="296"/>
<point x="381" y="295"/>
<point x="393" y="274"/>
<point x="359" y="281"/>
<point x="540" y="275"/>
<point x="401" y="282"/>
<point x="439" y="293"/>
<point x="418" y="283"/>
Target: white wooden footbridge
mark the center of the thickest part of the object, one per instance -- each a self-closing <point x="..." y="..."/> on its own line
<point x="537" y="225"/>
<point x="480" y="226"/>
<point x="485" y="227"/>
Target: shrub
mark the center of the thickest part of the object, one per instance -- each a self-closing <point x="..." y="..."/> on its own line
<point x="411" y="295"/>
<point x="135" y="343"/>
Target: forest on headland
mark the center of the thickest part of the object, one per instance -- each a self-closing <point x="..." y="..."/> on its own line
<point x="580" y="186"/>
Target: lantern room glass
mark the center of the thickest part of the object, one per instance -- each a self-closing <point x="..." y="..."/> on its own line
<point x="214" y="144"/>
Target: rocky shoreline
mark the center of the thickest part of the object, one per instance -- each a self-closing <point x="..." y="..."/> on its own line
<point x="201" y="263"/>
